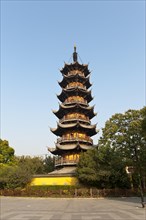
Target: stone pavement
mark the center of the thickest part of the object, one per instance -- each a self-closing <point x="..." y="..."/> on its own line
<point x="17" y="208"/>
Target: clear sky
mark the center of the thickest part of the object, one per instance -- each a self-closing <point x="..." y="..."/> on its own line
<point x="37" y="37"/>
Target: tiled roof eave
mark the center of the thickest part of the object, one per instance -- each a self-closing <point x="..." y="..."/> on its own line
<point x="90" y="129"/>
<point x="63" y="108"/>
<point x="74" y="66"/>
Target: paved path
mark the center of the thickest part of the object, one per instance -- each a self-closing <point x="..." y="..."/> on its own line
<point x="13" y="208"/>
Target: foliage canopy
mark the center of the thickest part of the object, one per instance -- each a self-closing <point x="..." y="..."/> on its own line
<point x="123" y="143"/>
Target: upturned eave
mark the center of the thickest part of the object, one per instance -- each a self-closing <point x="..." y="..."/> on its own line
<point x="73" y="91"/>
<point x="73" y="146"/>
<point x="61" y="128"/>
<point x="66" y="79"/>
<point x="64" y="109"/>
<point x="75" y="66"/>
<point x="60" y="149"/>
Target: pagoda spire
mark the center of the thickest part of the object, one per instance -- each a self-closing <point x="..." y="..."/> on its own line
<point x="75" y="55"/>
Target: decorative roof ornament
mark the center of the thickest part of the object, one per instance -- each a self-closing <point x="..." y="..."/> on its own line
<point x="75" y="55"/>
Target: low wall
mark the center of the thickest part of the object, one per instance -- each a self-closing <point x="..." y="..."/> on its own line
<point x="53" y="180"/>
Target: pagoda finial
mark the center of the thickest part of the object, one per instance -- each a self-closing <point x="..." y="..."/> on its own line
<point x="74" y="48"/>
<point x="75" y="55"/>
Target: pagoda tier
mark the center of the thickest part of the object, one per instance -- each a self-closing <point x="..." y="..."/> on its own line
<point x="73" y="138"/>
<point x="74" y="128"/>
<point x="75" y="68"/>
<point x="62" y="128"/>
<point x="74" y="94"/>
<point x="61" y="149"/>
<point x="66" y="109"/>
<point x="72" y="80"/>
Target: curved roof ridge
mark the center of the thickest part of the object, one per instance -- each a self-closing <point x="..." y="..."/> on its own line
<point x="69" y="147"/>
<point x="86" y="93"/>
<point x="71" y="125"/>
<point x="67" y="106"/>
<point x="73" y="146"/>
<point x="84" y="107"/>
<point x="74" y="75"/>
<point x="76" y="105"/>
<point x="87" y="126"/>
<point x="77" y="88"/>
<point x="61" y="111"/>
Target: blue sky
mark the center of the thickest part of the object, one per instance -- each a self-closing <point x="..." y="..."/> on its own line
<point x="37" y="37"/>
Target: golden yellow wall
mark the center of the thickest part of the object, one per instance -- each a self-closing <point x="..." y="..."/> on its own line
<point x="38" y="181"/>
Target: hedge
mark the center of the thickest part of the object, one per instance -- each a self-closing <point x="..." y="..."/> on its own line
<point x="68" y="192"/>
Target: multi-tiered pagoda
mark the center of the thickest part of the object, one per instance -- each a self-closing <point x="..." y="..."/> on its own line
<point x="74" y="129"/>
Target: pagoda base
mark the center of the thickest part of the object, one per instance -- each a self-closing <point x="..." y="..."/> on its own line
<point x="61" y="177"/>
<point x="67" y="170"/>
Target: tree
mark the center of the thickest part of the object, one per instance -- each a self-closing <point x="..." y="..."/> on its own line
<point x="18" y="171"/>
<point x="101" y="167"/>
<point x="86" y="169"/>
<point x="122" y="144"/>
<point x="14" y="176"/>
<point x="37" y="165"/>
<point x="6" y="153"/>
<point x="34" y="165"/>
<point x="143" y="124"/>
<point x="125" y="134"/>
<point x="49" y="164"/>
<point x="20" y="174"/>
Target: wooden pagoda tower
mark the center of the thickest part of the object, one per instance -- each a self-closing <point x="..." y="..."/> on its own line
<point x="74" y="129"/>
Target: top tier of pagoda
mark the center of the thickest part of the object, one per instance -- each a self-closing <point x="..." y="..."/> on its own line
<point x="74" y="129"/>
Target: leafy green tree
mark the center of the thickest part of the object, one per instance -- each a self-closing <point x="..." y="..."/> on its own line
<point x="34" y="165"/>
<point x="18" y="171"/>
<point x="21" y="173"/>
<point x="123" y="132"/>
<point x="143" y="124"/>
<point x="6" y="153"/>
<point x="49" y="164"/>
<point x="101" y="167"/>
<point x="118" y="177"/>
<point x="14" y="176"/>
<point x="37" y="165"/>
<point x="86" y="169"/>
<point x="122" y="144"/>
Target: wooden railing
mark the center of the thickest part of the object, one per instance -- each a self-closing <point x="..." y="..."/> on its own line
<point x="75" y="72"/>
<point x="75" y="101"/>
<point x="63" y="161"/>
<point x="69" y="87"/>
<point x="65" y="118"/>
<point x="73" y="139"/>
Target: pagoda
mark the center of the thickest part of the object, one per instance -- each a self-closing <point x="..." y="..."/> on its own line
<point x="74" y="129"/>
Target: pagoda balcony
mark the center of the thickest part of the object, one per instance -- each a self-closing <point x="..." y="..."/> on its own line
<point x="76" y="139"/>
<point x="68" y="119"/>
<point x="63" y="161"/>
<point x="75" y="72"/>
<point x="72" y="87"/>
<point x="75" y="102"/>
